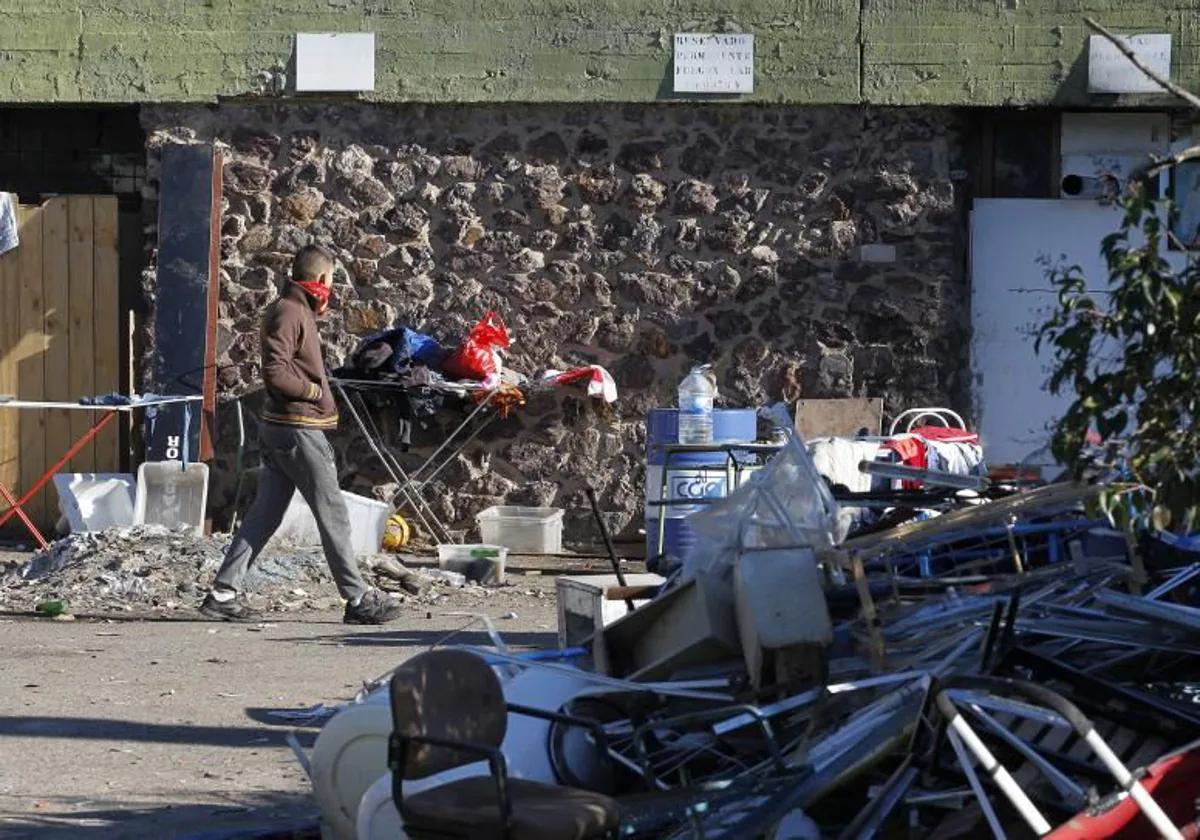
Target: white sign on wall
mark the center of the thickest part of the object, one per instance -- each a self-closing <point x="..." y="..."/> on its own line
<point x="710" y="63"/>
<point x="1111" y="72"/>
<point x="335" y="62"/>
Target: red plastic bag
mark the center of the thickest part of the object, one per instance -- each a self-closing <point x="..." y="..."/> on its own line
<point x="478" y="358"/>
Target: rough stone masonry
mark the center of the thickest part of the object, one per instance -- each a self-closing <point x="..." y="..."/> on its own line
<point x="806" y="252"/>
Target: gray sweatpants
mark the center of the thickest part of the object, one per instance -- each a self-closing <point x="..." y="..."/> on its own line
<point x="295" y="459"/>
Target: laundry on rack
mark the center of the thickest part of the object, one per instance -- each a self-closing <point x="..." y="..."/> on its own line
<point x="391" y="351"/>
<point x="600" y="382"/>
<point x="838" y="458"/>
<point x="114" y="399"/>
<point x="955" y="458"/>
<point x="8" y="223"/>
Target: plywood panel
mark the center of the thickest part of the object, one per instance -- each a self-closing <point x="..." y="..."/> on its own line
<point x="106" y="325"/>
<point x="80" y="330"/>
<point x="838" y="418"/>
<point x="56" y="283"/>
<point x="31" y="356"/>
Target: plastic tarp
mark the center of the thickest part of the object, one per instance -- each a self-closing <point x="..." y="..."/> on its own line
<point x="786" y="504"/>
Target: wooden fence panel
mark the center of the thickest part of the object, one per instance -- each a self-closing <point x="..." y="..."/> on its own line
<point x="59" y="341"/>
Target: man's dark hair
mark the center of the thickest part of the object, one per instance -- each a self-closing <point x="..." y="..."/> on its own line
<point x="311" y="263"/>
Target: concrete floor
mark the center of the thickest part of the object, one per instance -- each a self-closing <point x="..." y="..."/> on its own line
<point x="161" y="729"/>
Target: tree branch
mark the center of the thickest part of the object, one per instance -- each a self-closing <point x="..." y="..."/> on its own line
<point x="1136" y="60"/>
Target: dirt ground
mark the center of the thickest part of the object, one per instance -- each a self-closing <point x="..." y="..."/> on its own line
<point x="162" y="729"/>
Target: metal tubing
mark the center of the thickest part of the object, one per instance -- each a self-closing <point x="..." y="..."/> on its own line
<point x="964" y="761"/>
<point x="398" y="475"/>
<point x="998" y="774"/>
<point x="1162" y="823"/>
<point x="1071" y="793"/>
<point x="15" y="506"/>
<point x="15" y="509"/>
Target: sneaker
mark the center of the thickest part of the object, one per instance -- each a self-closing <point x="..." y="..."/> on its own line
<point x="374" y="608"/>
<point x="237" y="609"/>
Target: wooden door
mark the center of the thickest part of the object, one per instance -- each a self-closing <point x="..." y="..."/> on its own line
<point x="59" y="341"/>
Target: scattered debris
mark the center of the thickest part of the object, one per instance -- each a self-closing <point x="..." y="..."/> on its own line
<point x="152" y="569"/>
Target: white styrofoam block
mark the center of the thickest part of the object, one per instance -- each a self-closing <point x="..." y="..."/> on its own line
<point x="95" y="501"/>
<point x="335" y="62"/>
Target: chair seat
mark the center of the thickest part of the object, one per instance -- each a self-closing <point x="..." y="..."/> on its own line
<point x="469" y="808"/>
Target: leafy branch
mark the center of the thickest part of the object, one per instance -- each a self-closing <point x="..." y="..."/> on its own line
<point x="1130" y="357"/>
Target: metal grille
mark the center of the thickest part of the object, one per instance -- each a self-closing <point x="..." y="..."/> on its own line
<point x="72" y="151"/>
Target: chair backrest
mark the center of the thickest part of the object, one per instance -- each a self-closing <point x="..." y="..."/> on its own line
<point x="451" y="694"/>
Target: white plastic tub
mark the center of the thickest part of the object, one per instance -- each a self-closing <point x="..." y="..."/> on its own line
<point x="171" y="495"/>
<point x="523" y="530"/>
<point x="460" y="558"/>
<point x="96" y="501"/>
<point x="368" y="521"/>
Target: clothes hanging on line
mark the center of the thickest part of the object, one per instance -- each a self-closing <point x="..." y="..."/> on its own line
<point x="8" y="223"/>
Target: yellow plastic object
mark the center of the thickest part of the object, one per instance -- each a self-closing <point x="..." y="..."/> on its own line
<point x="396" y="534"/>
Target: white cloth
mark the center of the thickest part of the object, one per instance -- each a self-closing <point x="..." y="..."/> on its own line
<point x="955" y="458"/>
<point x="600" y="382"/>
<point x="8" y="223"/>
<point x="838" y="458"/>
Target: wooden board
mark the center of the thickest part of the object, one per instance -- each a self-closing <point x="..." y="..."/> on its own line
<point x="107" y="325"/>
<point x="839" y="418"/>
<point x="10" y="336"/>
<point x="81" y="349"/>
<point x="31" y="366"/>
<point x="56" y="286"/>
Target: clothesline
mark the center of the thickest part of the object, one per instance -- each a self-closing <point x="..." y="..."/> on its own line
<point x="77" y="406"/>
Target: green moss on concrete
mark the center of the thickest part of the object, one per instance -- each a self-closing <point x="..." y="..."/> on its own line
<point x="953" y="52"/>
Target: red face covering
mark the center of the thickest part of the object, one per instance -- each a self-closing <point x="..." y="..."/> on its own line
<point x="318" y="291"/>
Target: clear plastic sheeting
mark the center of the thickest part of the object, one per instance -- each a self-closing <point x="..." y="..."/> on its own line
<point x="786" y="504"/>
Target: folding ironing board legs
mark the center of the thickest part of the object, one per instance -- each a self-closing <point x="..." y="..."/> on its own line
<point x="395" y="470"/>
<point x="15" y="506"/>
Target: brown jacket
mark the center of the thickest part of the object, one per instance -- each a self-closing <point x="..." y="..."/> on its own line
<point x="293" y="369"/>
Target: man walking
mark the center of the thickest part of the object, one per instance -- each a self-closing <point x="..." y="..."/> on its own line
<point x="296" y="454"/>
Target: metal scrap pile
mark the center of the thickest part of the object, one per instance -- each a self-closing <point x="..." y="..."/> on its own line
<point x="1010" y="667"/>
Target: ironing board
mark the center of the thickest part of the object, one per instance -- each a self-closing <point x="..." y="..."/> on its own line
<point x="107" y="413"/>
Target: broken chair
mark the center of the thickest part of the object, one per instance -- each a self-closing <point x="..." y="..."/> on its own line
<point x="448" y="710"/>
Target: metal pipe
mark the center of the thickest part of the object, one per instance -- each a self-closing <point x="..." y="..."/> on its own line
<point x="1071" y="793"/>
<point x="964" y="761"/>
<point x="998" y="774"/>
<point x="1162" y="823"/>
<point x="934" y="477"/>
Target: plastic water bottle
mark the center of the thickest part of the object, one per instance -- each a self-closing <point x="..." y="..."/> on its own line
<point x="696" y="394"/>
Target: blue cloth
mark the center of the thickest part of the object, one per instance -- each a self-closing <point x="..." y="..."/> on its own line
<point x="408" y="346"/>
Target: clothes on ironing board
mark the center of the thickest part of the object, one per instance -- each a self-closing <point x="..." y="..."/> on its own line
<point x="956" y="458"/>
<point x="913" y="453"/>
<point x="945" y="434"/>
<point x="838" y="458"/>
<point x="8" y="223"/>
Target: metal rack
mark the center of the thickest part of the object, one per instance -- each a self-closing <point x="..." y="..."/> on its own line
<point x="756" y="456"/>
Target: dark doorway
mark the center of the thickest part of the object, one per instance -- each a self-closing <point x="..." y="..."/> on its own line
<point x="65" y="150"/>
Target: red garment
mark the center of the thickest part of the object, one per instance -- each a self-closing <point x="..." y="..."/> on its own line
<point x="943" y="434"/>
<point x="912" y="454"/>
<point x="318" y="290"/>
<point x="910" y="449"/>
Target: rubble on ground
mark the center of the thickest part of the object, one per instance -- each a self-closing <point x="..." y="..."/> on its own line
<point x="160" y="570"/>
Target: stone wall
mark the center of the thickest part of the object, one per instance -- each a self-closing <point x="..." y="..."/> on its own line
<point x="814" y="252"/>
